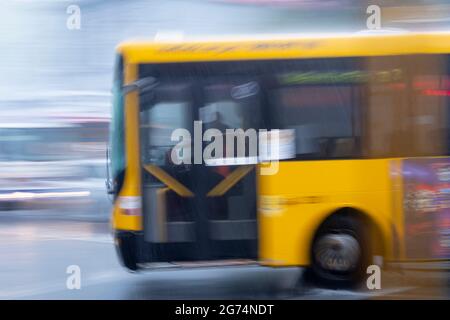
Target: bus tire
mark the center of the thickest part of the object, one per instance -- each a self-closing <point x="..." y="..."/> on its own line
<point x="340" y="252"/>
<point x="126" y="247"/>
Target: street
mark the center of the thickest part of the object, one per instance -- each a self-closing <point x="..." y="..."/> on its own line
<point x="36" y="254"/>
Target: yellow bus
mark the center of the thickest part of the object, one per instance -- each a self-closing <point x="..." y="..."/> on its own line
<point x="365" y="174"/>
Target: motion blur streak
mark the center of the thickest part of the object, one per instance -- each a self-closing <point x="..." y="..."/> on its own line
<point x="29" y="195"/>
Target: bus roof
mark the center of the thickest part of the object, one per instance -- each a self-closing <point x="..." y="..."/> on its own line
<point x="284" y="47"/>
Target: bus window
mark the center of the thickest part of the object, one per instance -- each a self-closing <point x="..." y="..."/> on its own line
<point x="232" y="104"/>
<point x="322" y="117"/>
<point x="169" y="110"/>
<point x="405" y="112"/>
<point x="117" y="128"/>
<point x="236" y="104"/>
<point x="428" y="105"/>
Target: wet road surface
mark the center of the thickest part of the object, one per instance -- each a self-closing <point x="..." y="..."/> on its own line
<point x="37" y="252"/>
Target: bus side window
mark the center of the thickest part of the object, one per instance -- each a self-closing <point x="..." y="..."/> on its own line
<point x="428" y="106"/>
<point x="321" y="106"/>
<point x="385" y="109"/>
<point x="170" y="109"/>
<point x="405" y="114"/>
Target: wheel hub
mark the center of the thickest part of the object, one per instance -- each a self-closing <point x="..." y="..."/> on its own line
<point x="337" y="252"/>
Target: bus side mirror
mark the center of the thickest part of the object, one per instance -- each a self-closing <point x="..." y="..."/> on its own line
<point x="144" y="87"/>
<point x="108" y="182"/>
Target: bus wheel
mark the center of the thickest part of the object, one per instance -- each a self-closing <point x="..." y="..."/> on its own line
<point x="126" y="248"/>
<point x="338" y="253"/>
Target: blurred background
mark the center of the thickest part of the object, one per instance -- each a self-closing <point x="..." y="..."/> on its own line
<point x="54" y="115"/>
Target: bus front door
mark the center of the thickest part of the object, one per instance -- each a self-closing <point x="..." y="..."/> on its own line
<point x="198" y="204"/>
